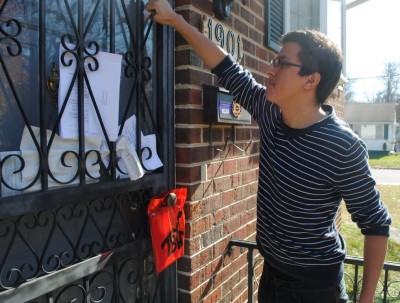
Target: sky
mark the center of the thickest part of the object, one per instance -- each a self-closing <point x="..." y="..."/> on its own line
<point x="372" y="38"/>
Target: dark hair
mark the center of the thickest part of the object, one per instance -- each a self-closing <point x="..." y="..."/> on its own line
<point x="318" y="54"/>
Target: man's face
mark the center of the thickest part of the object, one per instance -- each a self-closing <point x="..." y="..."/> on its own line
<point x="284" y="84"/>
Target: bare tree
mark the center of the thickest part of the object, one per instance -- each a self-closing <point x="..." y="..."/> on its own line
<point x="391" y="79"/>
<point x="349" y="92"/>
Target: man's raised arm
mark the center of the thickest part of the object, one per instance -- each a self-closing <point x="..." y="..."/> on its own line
<point x="210" y="53"/>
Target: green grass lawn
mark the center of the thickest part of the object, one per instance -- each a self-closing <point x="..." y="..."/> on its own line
<point x="383" y="160"/>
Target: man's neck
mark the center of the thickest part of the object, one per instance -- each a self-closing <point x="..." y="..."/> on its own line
<point x="302" y="117"/>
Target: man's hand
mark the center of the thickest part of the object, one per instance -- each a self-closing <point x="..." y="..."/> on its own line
<point x="161" y="12"/>
<point x="208" y="51"/>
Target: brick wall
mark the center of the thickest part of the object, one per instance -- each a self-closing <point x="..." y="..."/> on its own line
<point x="218" y="164"/>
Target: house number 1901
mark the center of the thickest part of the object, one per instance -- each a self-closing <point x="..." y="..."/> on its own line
<point x="224" y="37"/>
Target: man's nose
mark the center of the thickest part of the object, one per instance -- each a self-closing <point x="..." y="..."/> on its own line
<point x="270" y="70"/>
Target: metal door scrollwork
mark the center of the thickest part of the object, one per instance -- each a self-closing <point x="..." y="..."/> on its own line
<point x="76" y="233"/>
<point x="86" y="24"/>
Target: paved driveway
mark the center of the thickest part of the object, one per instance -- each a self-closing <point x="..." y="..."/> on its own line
<point x="386" y="176"/>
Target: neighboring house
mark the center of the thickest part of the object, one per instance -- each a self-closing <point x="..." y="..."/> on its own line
<point x="375" y="123"/>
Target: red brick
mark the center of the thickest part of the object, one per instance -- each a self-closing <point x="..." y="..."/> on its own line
<point x="186" y="155"/>
<point x="256" y="9"/>
<point x="248" y="46"/>
<point x="182" y="57"/>
<point x="249" y="176"/>
<point x="213" y="297"/>
<point x="199" y="190"/>
<point x="188" y="96"/>
<point x="189" y="115"/>
<point x="188" y="174"/>
<point x="221" y="215"/>
<point x="203" y="207"/>
<point x="263" y="55"/>
<point x="248" y="216"/>
<point x="238" y="207"/>
<point x="213" y="135"/>
<point x="228" y="197"/>
<point x="255" y="134"/>
<point x="188" y="135"/>
<point x="202" y="258"/>
<point x="198" y="226"/>
<point x="222" y="183"/>
<point x="231" y="225"/>
<point x="255" y="34"/>
<point x="247" y="15"/>
<point x="229" y="166"/>
<point x="215" y="169"/>
<point x="241" y="27"/>
<point x="192" y="245"/>
<point x="205" y="6"/>
<point x="244" y="164"/>
<point x="236" y="180"/>
<point x="187" y="57"/>
<point x="248" y="190"/>
<point x="239" y="193"/>
<point x="243" y="134"/>
<point x="221" y="247"/>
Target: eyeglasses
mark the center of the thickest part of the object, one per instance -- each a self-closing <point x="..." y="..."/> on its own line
<point x="276" y="62"/>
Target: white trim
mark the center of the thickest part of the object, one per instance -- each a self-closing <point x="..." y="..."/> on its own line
<point x="323" y="16"/>
<point x="286" y="8"/>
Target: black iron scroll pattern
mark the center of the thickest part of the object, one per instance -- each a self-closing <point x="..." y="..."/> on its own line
<point x="69" y="234"/>
<point x="138" y="65"/>
<point x="391" y="292"/>
<point x="9" y="32"/>
<point x="133" y="279"/>
<point x="76" y="50"/>
<point x="81" y="54"/>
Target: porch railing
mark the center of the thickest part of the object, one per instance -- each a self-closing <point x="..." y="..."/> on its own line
<point x="388" y="290"/>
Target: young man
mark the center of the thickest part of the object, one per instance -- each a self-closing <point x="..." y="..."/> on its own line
<point x="309" y="161"/>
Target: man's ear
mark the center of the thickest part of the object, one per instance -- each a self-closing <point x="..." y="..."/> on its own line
<point x="312" y="80"/>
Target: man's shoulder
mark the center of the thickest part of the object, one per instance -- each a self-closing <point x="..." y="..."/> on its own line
<point x="339" y="133"/>
<point x="338" y="125"/>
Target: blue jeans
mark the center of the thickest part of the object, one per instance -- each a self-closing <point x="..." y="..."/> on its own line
<point x="276" y="290"/>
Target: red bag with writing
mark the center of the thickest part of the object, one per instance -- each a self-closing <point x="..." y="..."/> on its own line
<point x="167" y="226"/>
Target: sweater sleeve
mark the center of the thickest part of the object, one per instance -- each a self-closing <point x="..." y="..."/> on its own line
<point x="362" y="198"/>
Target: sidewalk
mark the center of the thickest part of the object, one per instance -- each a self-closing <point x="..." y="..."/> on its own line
<point x="386" y="176"/>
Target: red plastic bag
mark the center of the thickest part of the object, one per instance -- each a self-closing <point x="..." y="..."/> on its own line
<point x="167" y="226"/>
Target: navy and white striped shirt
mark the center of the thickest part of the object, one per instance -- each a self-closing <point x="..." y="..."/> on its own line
<point x="303" y="176"/>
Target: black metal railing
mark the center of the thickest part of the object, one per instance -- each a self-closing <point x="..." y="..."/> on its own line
<point x="388" y="290"/>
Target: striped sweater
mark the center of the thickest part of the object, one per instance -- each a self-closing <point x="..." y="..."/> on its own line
<point x="303" y="176"/>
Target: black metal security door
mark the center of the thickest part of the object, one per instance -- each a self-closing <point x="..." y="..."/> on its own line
<point x="73" y="225"/>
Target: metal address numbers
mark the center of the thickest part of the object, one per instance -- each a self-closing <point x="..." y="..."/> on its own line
<point x="224" y="37"/>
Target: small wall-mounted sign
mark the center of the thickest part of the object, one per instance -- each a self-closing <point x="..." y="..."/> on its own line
<point x="223" y="36"/>
<point x="219" y="107"/>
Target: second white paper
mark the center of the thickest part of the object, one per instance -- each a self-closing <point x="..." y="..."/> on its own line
<point x="105" y="85"/>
